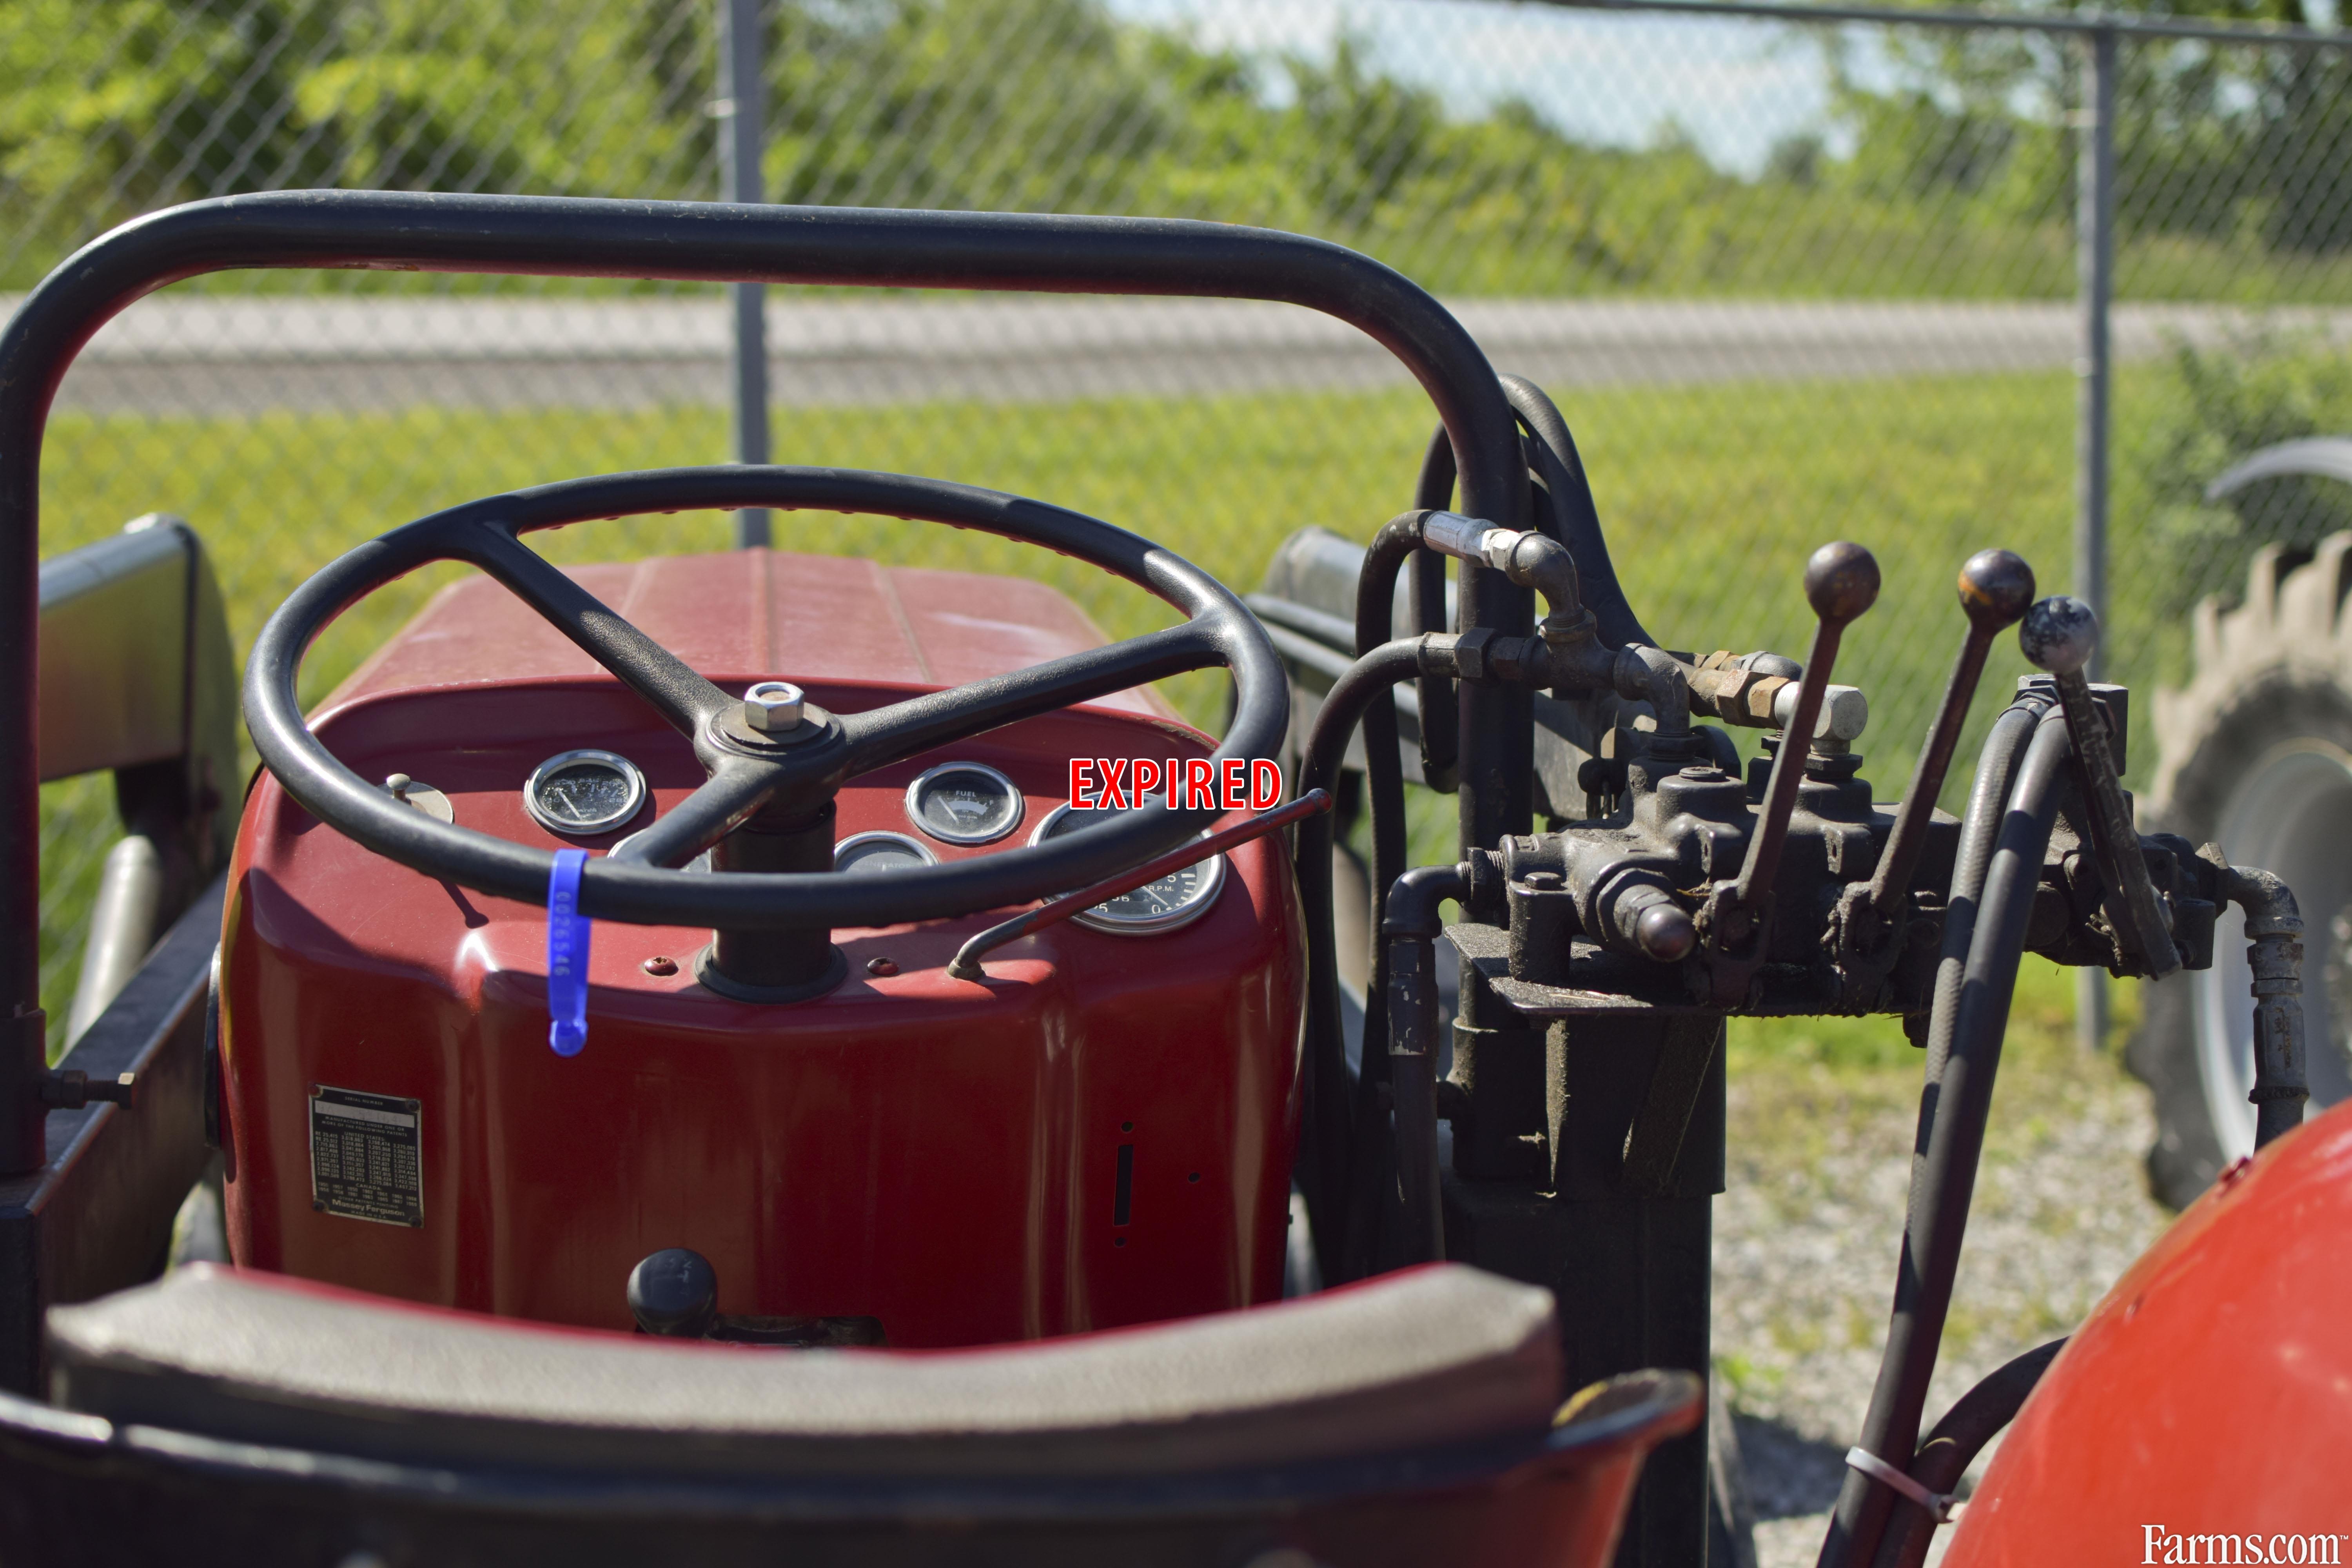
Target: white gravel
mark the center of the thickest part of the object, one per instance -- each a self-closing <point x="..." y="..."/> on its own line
<point x="1806" y="1239"/>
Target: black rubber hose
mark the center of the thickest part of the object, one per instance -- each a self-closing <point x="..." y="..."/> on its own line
<point x="1398" y="542"/>
<point x="1997" y="766"/>
<point x="1410" y="933"/>
<point x="1946" y="1176"/>
<point x="1578" y="520"/>
<point x="1441" y="721"/>
<point x="1974" y="1419"/>
<point x="1324" y="1175"/>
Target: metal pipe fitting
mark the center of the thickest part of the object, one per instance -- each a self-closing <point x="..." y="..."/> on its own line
<point x="1653" y="676"/>
<point x="1530" y="560"/>
<point x="2274" y="952"/>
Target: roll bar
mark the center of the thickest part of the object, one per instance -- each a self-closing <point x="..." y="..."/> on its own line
<point x="565" y="237"/>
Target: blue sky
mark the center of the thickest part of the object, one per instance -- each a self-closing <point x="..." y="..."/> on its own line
<point x="1738" y="86"/>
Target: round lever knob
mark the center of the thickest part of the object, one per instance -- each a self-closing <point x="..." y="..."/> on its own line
<point x="675" y="1292"/>
<point x="1996" y="587"/>
<point x="1840" y="581"/>
<point x="2060" y="634"/>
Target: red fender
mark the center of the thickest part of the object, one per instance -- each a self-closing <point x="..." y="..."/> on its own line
<point x="2210" y="1394"/>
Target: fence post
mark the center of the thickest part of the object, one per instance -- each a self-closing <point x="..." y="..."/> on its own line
<point x="742" y="110"/>
<point x="2094" y="258"/>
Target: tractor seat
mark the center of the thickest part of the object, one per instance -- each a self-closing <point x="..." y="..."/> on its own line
<point x="1432" y="1356"/>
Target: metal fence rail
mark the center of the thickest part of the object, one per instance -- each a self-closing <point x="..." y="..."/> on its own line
<point x="1928" y="280"/>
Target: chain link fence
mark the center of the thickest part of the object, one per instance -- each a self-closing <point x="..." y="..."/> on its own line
<point x="1791" y="279"/>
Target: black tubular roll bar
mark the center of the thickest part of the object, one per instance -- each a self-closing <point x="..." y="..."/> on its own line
<point x="685" y="241"/>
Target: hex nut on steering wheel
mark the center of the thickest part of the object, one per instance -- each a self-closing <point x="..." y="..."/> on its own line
<point x="773" y="707"/>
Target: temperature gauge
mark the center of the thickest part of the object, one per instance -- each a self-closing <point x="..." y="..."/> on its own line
<point x="965" y="803"/>
<point x="1174" y="900"/>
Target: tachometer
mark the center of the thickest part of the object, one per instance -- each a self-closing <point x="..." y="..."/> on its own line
<point x="1174" y="900"/>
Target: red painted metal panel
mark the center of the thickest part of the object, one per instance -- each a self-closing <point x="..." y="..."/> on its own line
<point x="752" y="613"/>
<point x="940" y="1154"/>
<point x="2210" y="1393"/>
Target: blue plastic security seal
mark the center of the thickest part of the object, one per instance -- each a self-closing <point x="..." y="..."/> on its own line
<point x="567" y="955"/>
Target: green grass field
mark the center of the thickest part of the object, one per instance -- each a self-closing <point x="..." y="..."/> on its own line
<point x="1713" y="496"/>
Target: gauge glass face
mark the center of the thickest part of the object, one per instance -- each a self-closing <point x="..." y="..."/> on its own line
<point x="584" y="792"/>
<point x="1176" y="899"/>
<point x="964" y="802"/>
<point x="875" y="854"/>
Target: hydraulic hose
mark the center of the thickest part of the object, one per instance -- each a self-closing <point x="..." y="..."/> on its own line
<point x="1410" y="933"/>
<point x="1955" y="1122"/>
<point x="1441" y="723"/>
<point x="1364" y="688"/>
<point x="1996" y="775"/>
<point x="1974" y="1419"/>
<point x="1576" y="520"/>
<point x="1398" y="542"/>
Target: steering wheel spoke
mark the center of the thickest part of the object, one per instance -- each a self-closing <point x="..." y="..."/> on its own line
<point x="681" y="696"/>
<point x="736" y="790"/>
<point x="884" y="735"/>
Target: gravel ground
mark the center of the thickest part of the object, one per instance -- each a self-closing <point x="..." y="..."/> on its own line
<point x="1806" y="1239"/>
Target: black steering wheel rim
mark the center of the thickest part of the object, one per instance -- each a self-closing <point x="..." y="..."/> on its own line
<point x="1219" y="630"/>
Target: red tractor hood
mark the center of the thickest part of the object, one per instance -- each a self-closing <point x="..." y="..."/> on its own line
<point x="755" y="612"/>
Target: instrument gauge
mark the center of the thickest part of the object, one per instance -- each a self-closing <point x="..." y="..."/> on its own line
<point x="965" y="803"/>
<point x="582" y="793"/>
<point x="873" y="854"/>
<point x="1175" y="902"/>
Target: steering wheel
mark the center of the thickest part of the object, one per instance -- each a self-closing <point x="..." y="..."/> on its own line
<point x="751" y="769"/>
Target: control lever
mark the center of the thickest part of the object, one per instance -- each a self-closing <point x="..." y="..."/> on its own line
<point x="1996" y="587"/>
<point x="1841" y="584"/>
<point x="2059" y="635"/>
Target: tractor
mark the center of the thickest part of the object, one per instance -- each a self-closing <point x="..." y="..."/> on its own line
<point x="740" y="1058"/>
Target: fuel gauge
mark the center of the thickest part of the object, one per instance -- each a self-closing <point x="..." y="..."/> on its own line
<point x="965" y="803"/>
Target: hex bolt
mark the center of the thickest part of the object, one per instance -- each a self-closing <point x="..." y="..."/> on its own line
<point x="2060" y="634"/>
<point x="773" y="707"/>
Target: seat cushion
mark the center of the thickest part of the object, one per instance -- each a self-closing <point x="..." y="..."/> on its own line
<point x="1410" y="1361"/>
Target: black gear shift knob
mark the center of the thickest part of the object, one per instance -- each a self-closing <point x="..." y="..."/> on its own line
<point x="2059" y="634"/>
<point x="674" y="1293"/>
<point x="1840" y="581"/>
<point x="1996" y="586"/>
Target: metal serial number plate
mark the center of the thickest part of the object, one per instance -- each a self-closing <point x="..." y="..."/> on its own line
<point x="364" y="1152"/>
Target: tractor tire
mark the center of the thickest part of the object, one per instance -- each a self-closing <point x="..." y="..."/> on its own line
<point x="2255" y="754"/>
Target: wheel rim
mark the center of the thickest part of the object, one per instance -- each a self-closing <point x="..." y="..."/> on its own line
<point x="2292" y="815"/>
